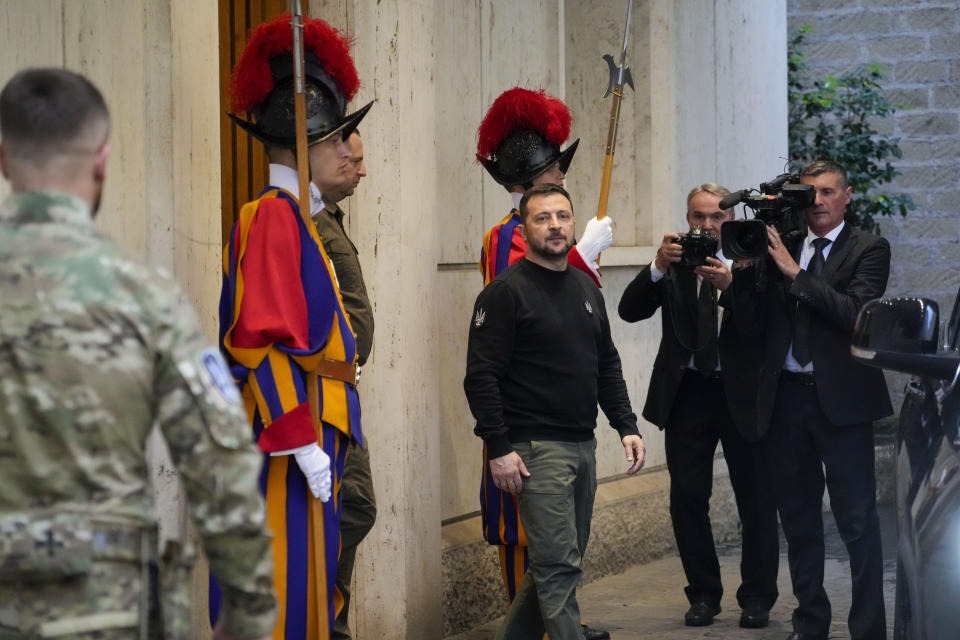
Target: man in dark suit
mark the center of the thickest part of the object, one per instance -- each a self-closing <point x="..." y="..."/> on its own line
<point x="818" y="402"/>
<point x="688" y="399"/>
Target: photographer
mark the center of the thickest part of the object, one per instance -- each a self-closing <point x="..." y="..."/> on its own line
<point x="691" y="397"/>
<point x="816" y="403"/>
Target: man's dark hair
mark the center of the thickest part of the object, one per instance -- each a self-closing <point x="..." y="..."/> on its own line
<point x="274" y="152"/>
<point x="819" y="167"/>
<point x="544" y="189"/>
<point x="43" y="111"/>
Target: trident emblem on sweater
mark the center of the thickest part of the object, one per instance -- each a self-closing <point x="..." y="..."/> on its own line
<point x="479" y="318"/>
<point x="586" y="305"/>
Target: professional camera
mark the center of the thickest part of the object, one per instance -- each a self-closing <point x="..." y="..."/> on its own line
<point x="781" y="204"/>
<point x="698" y="245"/>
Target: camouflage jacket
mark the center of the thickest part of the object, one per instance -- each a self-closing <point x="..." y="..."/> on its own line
<point x="96" y="349"/>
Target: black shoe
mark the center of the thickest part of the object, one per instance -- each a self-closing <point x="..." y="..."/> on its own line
<point x="797" y="635"/>
<point x="754" y="618"/>
<point x="593" y="634"/>
<point x="700" y="614"/>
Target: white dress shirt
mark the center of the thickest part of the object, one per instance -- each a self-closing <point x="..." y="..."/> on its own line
<point x="806" y="255"/>
<point x="287" y="179"/>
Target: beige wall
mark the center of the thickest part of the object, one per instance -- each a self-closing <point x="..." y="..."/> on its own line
<point x="32" y="35"/>
<point x="398" y="572"/>
<point x="162" y="194"/>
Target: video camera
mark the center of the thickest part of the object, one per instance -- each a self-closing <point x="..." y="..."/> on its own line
<point x="780" y="203"/>
<point x="697" y="246"/>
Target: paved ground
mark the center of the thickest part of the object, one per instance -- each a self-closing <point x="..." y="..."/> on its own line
<point x="647" y="602"/>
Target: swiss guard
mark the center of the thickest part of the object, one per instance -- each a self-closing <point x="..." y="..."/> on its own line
<point x="283" y="327"/>
<point x="518" y="143"/>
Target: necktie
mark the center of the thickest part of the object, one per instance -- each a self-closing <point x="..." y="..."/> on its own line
<point x="801" y="333"/>
<point x="705" y="358"/>
<point x="338" y="216"/>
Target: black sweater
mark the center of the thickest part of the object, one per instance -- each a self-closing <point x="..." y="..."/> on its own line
<point x="540" y="358"/>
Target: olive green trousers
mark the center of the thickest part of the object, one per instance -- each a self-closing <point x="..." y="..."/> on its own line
<point x="556" y="505"/>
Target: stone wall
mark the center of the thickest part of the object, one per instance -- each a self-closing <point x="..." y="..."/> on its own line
<point x="918" y="42"/>
<point x="161" y="200"/>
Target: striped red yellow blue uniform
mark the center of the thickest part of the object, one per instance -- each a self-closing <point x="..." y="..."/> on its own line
<point x="280" y="313"/>
<point x="500" y="516"/>
<point x="502" y="246"/>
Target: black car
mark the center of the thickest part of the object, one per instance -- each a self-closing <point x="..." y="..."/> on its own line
<point x="902" y="334"/>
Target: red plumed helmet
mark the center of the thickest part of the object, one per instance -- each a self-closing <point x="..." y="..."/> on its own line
<point x="262" y="83"/>
<point x="521" y="134"/>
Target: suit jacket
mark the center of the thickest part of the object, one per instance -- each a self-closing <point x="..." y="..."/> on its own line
<point x="676" y="294"/>
<point x="856" y="271"/>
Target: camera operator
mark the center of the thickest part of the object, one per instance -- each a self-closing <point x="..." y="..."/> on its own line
<point x="688" y="398"/>
<point x="816" y="403"/>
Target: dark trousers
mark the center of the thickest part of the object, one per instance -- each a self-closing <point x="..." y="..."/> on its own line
<point x="698" y="421"/>
<point x="359" y="512"/>
<point x="802" y="444"/>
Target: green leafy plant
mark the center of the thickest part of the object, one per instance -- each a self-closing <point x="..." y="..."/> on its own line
<point x="833" y="119"/>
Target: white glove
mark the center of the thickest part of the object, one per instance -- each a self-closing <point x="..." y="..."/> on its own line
<point x="315" y="466"/>
<point x="597" y="237"/>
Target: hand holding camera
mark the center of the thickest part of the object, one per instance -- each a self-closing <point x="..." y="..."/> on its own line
<point x="690" y="250"/>
<point x="780" y="254"/>
<point x="668" y="253"/>
<point x="697" y="246"/>
<point x="716" y="273"/>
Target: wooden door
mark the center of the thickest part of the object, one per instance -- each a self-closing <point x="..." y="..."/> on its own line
<point x="244" y="165"/>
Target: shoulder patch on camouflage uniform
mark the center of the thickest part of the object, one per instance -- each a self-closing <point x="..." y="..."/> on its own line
<point x="219" y="375"/>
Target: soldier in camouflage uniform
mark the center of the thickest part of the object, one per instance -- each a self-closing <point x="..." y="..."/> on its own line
<point x="95" y="349"/>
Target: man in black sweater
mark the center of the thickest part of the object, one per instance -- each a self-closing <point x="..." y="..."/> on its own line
<point x="540" y="358"/>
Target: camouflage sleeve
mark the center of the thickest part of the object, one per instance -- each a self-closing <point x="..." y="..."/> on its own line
<point x="206" y="428"/>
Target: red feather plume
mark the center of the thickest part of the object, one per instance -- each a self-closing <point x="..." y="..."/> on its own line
<point x="252" y="82"/>
<point x="522" y="108"/>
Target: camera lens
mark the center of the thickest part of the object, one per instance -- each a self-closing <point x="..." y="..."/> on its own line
<point x="746" y="239"/>
<point x="751" y="239"/>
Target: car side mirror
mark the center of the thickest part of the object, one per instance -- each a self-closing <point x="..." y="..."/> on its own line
<point x="902" y="334"/>
<point x="953" y="326"/>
